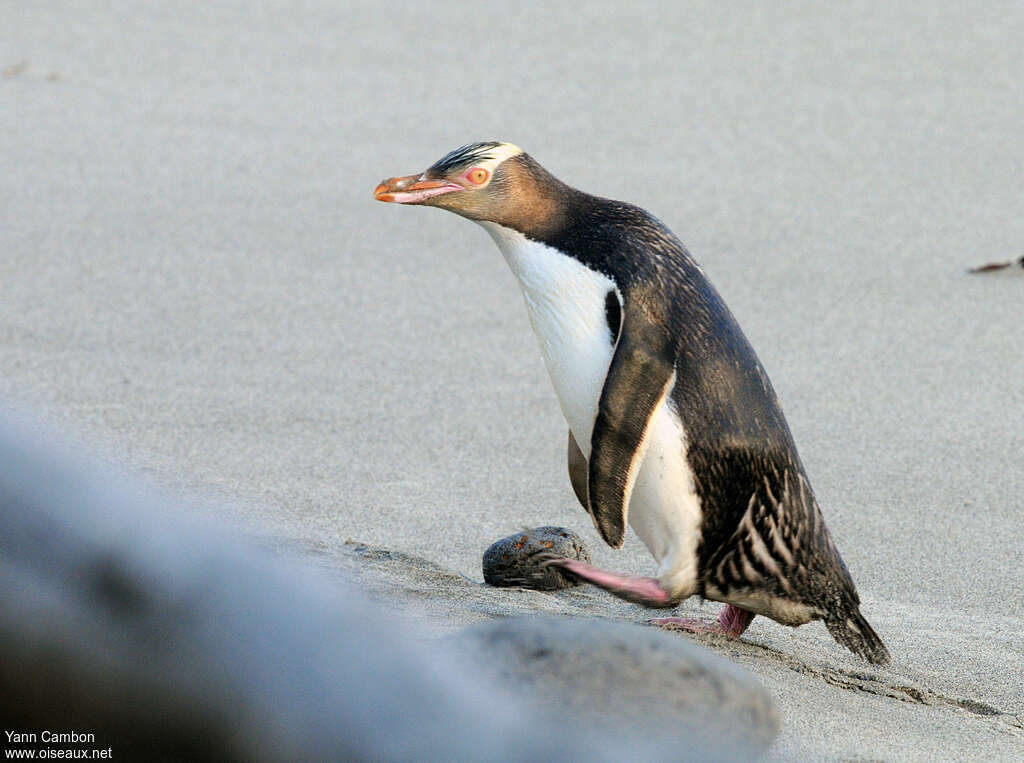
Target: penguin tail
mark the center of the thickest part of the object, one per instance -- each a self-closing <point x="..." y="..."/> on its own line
<point x="856" y="634"/>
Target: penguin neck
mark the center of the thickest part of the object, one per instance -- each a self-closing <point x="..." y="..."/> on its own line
<point x="543" y="205"/>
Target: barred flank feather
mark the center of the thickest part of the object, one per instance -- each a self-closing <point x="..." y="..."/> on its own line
<point x="854" y="632"/>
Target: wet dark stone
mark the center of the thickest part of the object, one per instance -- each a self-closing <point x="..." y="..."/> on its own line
<point x="515" y="560"/>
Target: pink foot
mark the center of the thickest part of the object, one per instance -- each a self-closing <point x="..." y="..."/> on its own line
<point x="646" y="591"/>
<point x="732" y="621"/>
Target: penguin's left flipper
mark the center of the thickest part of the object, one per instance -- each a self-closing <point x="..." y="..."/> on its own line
<point x="641" y="373"/>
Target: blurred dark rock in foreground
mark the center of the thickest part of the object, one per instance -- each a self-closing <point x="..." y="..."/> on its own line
<point x="622" y="673"/>
<point x="168" y="639"/>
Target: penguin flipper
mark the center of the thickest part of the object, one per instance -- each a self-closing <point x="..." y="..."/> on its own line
<point x="578" y="472"/>
<point x="641" y="373"/>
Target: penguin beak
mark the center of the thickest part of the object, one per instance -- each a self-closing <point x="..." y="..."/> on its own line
<point x="412" y="189"/>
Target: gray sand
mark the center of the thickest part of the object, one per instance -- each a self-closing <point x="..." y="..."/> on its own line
<point x="194" y="277"/>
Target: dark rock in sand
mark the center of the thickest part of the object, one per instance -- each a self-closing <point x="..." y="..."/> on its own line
<point x="628" y="676"/>
<point x="514" y="561"/>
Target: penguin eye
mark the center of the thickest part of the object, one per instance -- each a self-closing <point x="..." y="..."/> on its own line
<point x="478" y="175"/>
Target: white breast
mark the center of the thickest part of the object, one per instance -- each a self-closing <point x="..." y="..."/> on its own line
<point x="566" y="304"/>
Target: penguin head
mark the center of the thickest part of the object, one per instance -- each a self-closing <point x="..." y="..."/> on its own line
<point x="488" y="181"/>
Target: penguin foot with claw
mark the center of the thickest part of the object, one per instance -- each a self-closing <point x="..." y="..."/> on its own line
<point x="732" y="621"/>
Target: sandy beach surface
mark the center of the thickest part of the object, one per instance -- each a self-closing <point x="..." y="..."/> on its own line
<point x="195" y="281"/>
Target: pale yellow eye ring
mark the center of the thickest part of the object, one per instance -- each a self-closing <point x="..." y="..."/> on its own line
<point x="478" y="175"/>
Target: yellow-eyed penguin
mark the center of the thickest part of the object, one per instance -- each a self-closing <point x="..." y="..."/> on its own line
<point x="673" y="424"/>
